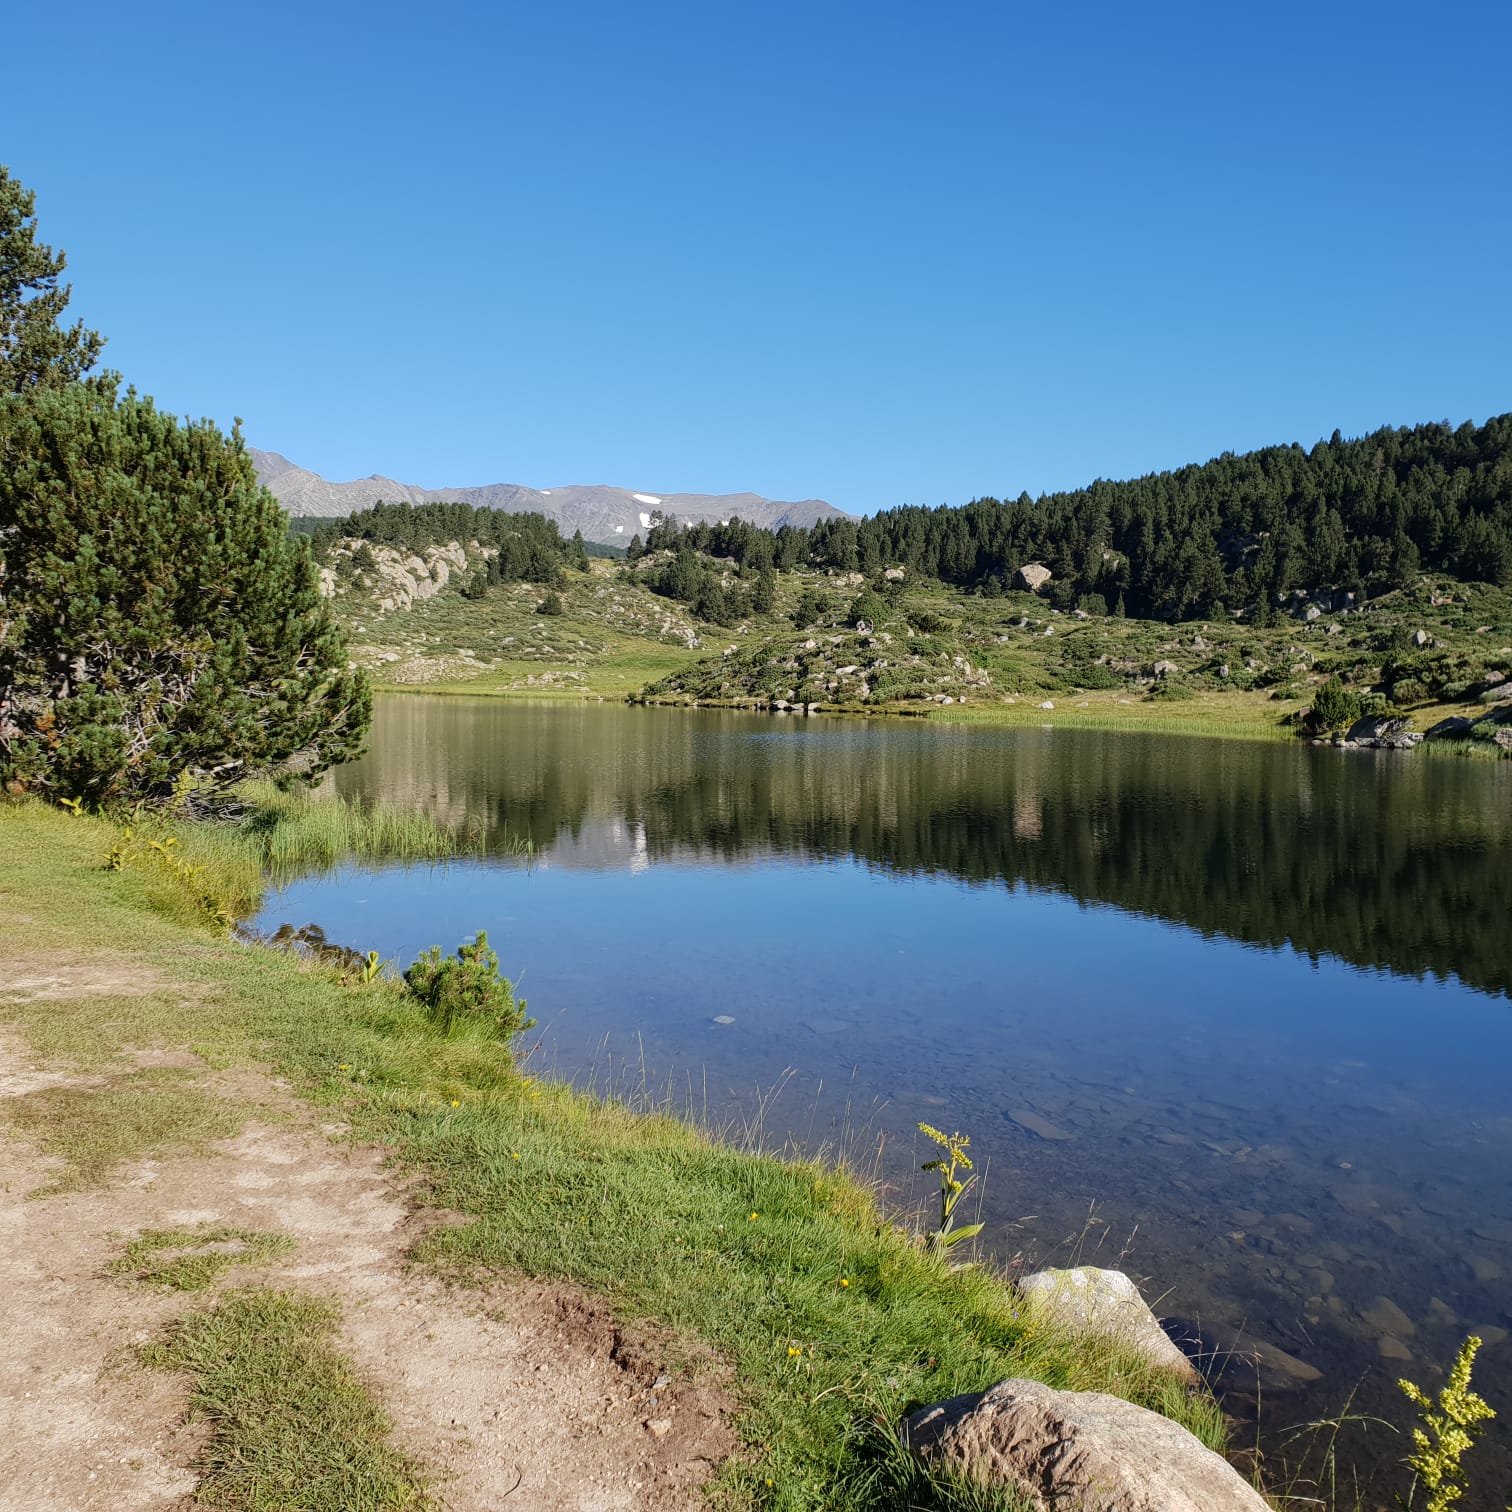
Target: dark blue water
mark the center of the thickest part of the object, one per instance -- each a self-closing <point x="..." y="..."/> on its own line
<point x="1232" y="1017"/>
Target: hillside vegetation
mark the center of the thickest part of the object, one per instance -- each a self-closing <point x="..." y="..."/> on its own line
<point x="1239" y="532"/>
<point x="1377" y="567"/>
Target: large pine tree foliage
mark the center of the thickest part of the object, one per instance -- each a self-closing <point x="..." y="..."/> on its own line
<point x="156" y="618"/>
<point x="35" y="351"/>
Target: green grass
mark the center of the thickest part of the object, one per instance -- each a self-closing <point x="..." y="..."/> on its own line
<point x="94" y="1131"/>
<point x="292" y="1429"/>
<point x="612" y="638"/>
<point x="832" y="1319"/>
<point x="289" y="834"/>
<point x="193" y="1259"/>
<point x="213" y="872"/>
<point x="614" y="673"/>
<point x="1225" y="716"/>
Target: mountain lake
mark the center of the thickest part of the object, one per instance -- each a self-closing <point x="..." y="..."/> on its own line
<point x="1233" y="1017"/>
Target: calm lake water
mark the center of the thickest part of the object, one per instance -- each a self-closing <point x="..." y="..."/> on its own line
<point x="1232" y="1017"/>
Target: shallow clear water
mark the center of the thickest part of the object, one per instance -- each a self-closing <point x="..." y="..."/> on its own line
<point x="1233" y="1017"/>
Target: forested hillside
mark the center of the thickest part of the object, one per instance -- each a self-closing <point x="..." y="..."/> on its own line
<point x="517" y="547"/>
<point x="1239" y="532"/>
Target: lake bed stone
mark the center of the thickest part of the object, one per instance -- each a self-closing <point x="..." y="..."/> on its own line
<point x="1027" y="1119"/>
<point x="1231" y="1360"/>
<point x="1386" y="1317"/>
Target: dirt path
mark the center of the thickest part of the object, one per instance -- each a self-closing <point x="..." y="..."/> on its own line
<point x="529" y="1398"/>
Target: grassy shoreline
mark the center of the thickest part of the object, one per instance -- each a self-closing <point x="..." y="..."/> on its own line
<point x="1240" y="718"/>
<point x="832" y="1320"/>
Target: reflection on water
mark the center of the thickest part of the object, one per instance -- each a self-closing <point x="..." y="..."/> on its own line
<point x="1377" y="859"/>
<point x="1249" y="1001"/>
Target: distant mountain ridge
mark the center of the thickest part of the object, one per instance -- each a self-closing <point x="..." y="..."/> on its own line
<point x="605" y="514"/>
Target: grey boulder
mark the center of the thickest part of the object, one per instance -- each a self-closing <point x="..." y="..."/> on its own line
<point x="1105" y="1304"/>
<point x="1452" y="728"/>
<point x="1384" y="733"/>
<point x="1078" y="1451"/>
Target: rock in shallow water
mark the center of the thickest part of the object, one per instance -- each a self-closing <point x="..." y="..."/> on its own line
<point x="1232" y="1361"/>
<point x="1069" y="1450"/>
<point x="1384" y="1316"/>
<point x="1025" y="1118"/>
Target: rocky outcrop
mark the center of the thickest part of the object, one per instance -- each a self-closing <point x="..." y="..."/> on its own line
<point x="1105" y="1304"/>
<point x="1384" y="733"/>
<point x="1078" y="1451"/>
<point x="1033" y="576"/>
<point x="1164" y="669"/>
<point x="394" y="578"/>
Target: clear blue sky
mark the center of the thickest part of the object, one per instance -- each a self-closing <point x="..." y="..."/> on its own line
<point x="873" y="253"/>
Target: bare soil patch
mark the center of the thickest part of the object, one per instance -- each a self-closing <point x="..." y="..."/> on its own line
<point x="525" y="1396"/>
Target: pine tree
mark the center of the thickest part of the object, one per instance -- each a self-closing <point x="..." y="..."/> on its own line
<point x="764" y="592"/>
<point x="35" y="352"/>
<point x="156" y="618"/>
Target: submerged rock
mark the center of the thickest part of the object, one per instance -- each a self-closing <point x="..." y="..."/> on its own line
<point x="1384" y="1316"/>
<point x="1105" y="1304"/>
<point x="1027" y="1119"/>
<point x="1232" y="1361"/>
<point x="1078" y="1449"/>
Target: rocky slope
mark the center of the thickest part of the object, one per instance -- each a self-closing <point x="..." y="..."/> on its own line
<point x="608" y="515"/>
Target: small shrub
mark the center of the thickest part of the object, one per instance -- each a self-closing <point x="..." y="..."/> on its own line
<point x="927" y="622"/>
<point x="1093" y="677"/>
<point x="868" y="607"/>
<point x="467" y="991"/>
<point x="1335" y="707"/>
<point x="551" y="604"/>
<point x="811" y="607"/>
